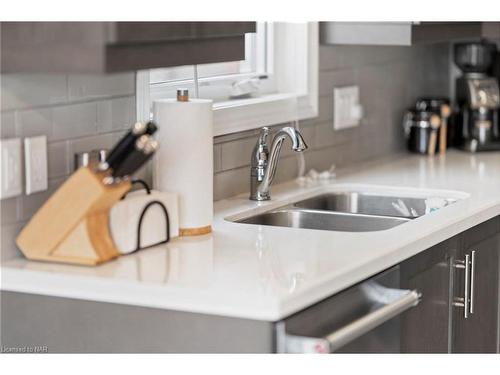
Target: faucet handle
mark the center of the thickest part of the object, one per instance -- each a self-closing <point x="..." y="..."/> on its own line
<point x="260" y="151"/>
<point x="264" y="133"/>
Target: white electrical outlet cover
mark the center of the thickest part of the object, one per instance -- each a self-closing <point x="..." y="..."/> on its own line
<point x="347" y="111"/>
<point x="10" y="153"/>
<point x="35" y="156"/>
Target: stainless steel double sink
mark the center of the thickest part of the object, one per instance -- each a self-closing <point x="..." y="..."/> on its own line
<point x="350" y="211"/>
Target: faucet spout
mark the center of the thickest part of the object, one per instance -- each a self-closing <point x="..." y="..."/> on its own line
<point x="298" y="143"/>
<point x="263" y="171"/>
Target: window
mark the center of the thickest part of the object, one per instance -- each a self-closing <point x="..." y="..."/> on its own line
<point x="216" y="80"/>
<point x="276" y="83"/>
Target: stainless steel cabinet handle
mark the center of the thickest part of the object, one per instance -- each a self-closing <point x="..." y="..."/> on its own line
<point x="344" y="335"/>
<point x="472" y="280"/>
<point x="466" y="286"/>
<point x="464" y="301"/>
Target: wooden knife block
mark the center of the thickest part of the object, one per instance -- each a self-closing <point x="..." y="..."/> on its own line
<point x="72" y="226"/>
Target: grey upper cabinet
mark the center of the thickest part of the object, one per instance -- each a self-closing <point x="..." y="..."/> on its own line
<point x="491" y="30"/>
<point x="103" y="47"/>
<point x="404" y="33"/>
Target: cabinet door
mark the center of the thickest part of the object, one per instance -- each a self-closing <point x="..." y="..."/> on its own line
<point x="106" y="47"/>
<point x="491" y="30"/>
<point x="404" y="33"/>
<point x="136" y="32"/>
<point x="478" y="333"/>
<point x="426" y="328"/>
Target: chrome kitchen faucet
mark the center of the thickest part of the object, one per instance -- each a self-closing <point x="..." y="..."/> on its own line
<point x="264" y="162"/>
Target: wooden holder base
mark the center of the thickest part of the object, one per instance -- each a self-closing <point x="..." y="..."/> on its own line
<point x="195" y="231"/>
<point x="72" y="226"/>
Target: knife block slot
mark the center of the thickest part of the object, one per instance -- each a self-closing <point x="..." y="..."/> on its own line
<point x="72" y="225"/>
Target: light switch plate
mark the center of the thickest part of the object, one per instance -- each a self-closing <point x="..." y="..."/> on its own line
<point x="35" y="156"/>
<point x="10" y="152"/>
<point x="347" y="111"/>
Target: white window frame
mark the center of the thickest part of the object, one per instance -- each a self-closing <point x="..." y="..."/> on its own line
<point x="293" y="67"/>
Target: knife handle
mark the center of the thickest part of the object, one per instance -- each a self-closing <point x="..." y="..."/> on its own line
<point x="125" y="146"/>
<point x="151" y="128"/>
<point x="144" y="149"/>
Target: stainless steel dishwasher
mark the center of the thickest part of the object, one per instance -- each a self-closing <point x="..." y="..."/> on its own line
<point x="362" y="319"/>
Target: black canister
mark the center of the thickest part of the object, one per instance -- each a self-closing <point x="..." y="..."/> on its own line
<point x="418" y="127"/>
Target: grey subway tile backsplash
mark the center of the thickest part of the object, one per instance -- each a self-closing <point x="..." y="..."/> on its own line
<point x="231" y="182"/>
<point x="10" y="210"/>
<point x="217" y="158"/>
<point x="237" y="153"/>
<point x="8" y="246"/>
<point x="115" y="114"/>
<point x="75" y="120"/>
<point x="90" y="143"/>
<point x="7" y="124"/>
<point x="86" y="86"/>
<point x="325" y="136"/>
<point x="341" y="77"/>
<point x="58" y="159"/>
<point x="34" y="122"/>
<point x="21" y="91"/>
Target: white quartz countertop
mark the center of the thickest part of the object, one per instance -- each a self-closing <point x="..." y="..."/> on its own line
<point x="268" y="273"/>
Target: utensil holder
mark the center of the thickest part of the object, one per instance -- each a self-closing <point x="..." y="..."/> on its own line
<point x="72" y="225"/>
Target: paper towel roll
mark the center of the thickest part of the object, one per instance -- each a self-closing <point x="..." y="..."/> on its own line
<point x="184" y="161"/>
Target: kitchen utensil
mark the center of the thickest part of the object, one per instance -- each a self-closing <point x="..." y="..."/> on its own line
<point x="443" y="130"/>
<point x="151" y="128"/>
<point x="435" y="121"/>
<point x="92" y="158"/>
<point x="143" y="150"/>
<point x="184" y="164"/>
<point x="125" y="146"/>
<point x="144" y="218"/>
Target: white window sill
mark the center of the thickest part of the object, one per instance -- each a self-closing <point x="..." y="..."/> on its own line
<point x="246" y="114"/>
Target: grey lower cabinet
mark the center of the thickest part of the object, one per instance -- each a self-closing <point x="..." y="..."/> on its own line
<point x="65" y="325"/>
<point x="427" y="327"/>
<point x="459" y="281"/>
<point x="477" y="331"/>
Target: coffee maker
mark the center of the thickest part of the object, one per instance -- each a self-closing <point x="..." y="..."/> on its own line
<point x="477" y="97"/>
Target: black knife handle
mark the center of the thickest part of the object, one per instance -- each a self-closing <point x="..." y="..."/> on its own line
<point x="151" y="128"/>
<point x="125" y="145"/>
<point x="132" y="164"/>
<point x="144" y="149"/>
